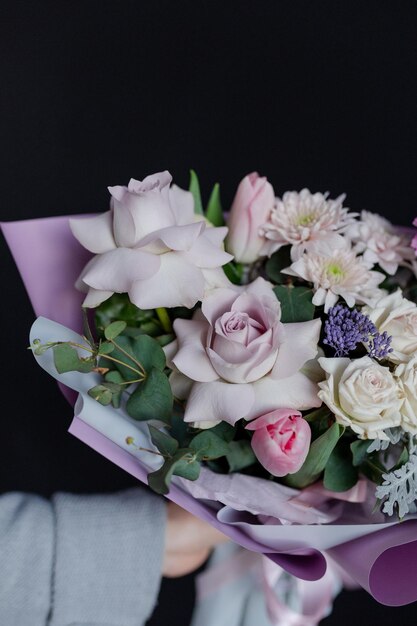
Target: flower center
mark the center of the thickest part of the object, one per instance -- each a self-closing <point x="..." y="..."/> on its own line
<point x="305" y="220"/>
<point x="335" y="272"/>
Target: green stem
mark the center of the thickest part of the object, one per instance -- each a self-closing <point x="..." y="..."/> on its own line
<point x="106" y="356"/>
<point x="163" y="317"/>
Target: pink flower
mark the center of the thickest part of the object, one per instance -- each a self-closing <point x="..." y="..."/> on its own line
<point x="236" y="359"/>
<point x="150" y="246"/>
<point x="251" y="207"/>
<point x="280" y="441"/>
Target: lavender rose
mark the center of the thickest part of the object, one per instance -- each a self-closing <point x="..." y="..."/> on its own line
<point x="236" y="359"/>
<point x="150" y="246"/>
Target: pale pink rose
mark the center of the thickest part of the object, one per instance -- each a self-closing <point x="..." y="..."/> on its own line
<point x="150" y="246"/>
<point x="236" y="359"/>
<point x="281" y="441"/>
<point x="253" y="202"/>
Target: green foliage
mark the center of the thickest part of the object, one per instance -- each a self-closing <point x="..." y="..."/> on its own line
<point x="296" y="303"/>
<point x="115" y="377"/>
<point x="182" y="463"/>
<point x="166" y="444"/>
<point x="207" y="446"/>
<point x="225" y="431"/>
<point x="114" y="329"/>
<point x="101" y="394"/>
<point x="194" y="187"/>
<point x="359" y="451"/>
<point x="234" y="272"/>
<point x="214" y="211"/>
<point x="340" y="473"/>
<point x="119" y="307"/>
<point x="67" y="359"/>
<point x="152" y="399"/>
<point x="317" y="458"/>
<point x="278" y="261"/>
<point x="240" y="455"/>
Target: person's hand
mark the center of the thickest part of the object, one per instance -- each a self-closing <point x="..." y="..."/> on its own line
<point x="188" y="542"/>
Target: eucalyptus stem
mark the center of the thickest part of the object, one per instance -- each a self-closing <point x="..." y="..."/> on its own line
<point x="132" y="358"/>
<point x="106" y="356"/>
<point x="164" y="318"/>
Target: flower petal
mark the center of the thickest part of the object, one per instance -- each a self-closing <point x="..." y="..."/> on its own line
<point x="205" y="254"/>
<point x="94" y="233"/>
<point x="218" y="302"/>
<point x="191" y="358"/>
<point x="271" y="418"/>
<point x="297" y="391"/>
<point x="174" y="237"/>
<point x="182" y="204"/>
<point x="299" y="346"/>
<point x="95" y="297"/>
<point x="118" y="269"/>
<point x="218" y="401"/>
<point x="177" y="283"/>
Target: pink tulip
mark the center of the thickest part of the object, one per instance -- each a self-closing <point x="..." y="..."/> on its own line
<point x="281" y="441"/>
<point x="252" y="205"/>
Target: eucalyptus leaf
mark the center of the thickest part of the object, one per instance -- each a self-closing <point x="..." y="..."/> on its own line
<point x="240" y="455"/>
<point x="105" y="347"/>
<point x="224" y="431"/>
<point x="101" y="394"/>
<point x="234" y="272"/>
<point x="317" y="458"/>
<point x="194" y="187"/>
<point x="152" y="399"/>
<point x="208" y="445"/>
<point x="214" y="212"/>
<point x="180" y="464"/>
<point x="114" y="329"/>
<point x="296" y="303"/>
<point x="166" y="445"/>
<point x="114" y="376"/>
<point x="67" y="359"/>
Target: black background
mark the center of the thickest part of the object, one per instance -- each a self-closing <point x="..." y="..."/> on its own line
<point x="318" y="94"/>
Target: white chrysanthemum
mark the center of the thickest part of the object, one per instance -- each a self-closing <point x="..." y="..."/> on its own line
<point x="303" y="218"/>
<point x="337" y="272"/>
<point x="380" y="242"/>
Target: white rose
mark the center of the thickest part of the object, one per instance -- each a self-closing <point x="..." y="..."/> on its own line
<point x="407" y="380"/>
<point x="362" y="394"/>
<point x="398" y="317"/>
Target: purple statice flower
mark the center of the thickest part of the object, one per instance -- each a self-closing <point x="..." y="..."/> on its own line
<point x="345" y="328"/>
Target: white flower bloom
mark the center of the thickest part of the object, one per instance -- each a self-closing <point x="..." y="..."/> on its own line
<point x="381" y="242"/>
<point x="406" y="374"/>
<point x="337" y="272"/>
<point x="362" y="394"/>
<point x="398" y="317"/>
<point x="303" y="218"/>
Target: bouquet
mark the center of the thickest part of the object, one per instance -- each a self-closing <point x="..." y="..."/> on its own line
<point x="258" y="366"/>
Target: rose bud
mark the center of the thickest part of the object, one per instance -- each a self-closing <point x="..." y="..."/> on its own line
<point x="251" y="207"/>
<point x="280" y="441"/>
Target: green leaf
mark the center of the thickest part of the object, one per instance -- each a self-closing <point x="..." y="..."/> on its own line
<point x="194" y="187"/>
<point x="240" y="455"/>
<point x="114" y="376"/>
<point x="280" y="260"/>
<point x="119" y="307"/>
<point x="114" y="329"/>
<point x="340" y="473"/>
<point x="181" y="464"/>
<point x="148" y="352"/>
<point x="208" y="446"/>
<point x="318" y="455"/>
<point x="105" y="347"/>
<point x="152" y="399"/>
<point x="66" y="359"/>
<point x="233" y="272"/>
<point x="224" y="431"/>
<point x="101" y="394"/>
<point x="319" y="414"/>
<point x="214" y="212"/>
<point x="166" y="445"/>
<point x="296" y="303"/>
<point x="359" y="451"/>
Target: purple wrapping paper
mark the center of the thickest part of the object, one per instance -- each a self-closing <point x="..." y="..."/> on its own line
<point x="49" y="260"/>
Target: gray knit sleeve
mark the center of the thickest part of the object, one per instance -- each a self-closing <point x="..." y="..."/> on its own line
<point x="81" y="560"/>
